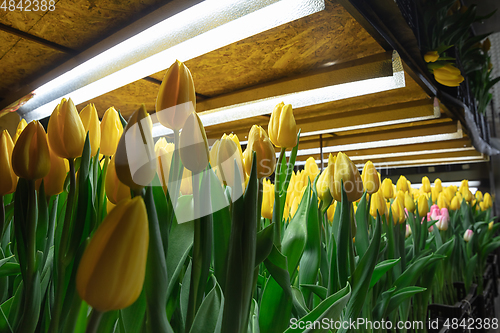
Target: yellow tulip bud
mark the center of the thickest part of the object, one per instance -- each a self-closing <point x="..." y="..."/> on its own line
<point x="487" y="200"/>
<point x="464" y="186"/>
<point x="409" y="203"/>
<point x="490" y="225"/>
<point x="113" y="266"/>
<point x="370" y="178"/>
<point x="187" y="182"/>
<point x="311" y="168"/>
<point x="423" y="206"/>
<point x="282" y="128"/>
<point x="479" y="195"/>
<point x="8" y="179"/>
<point x="402" y="184"/>
<point x="449" y="192"/>
<point x="431" y="56"/>
<point x="400" y="196"/>
<point x="332" y="159"/>
<point x="30" y="156"/>
<point x="377" y="203"/>
<point x="295" y="206"/>
<point x="259" y="142"/>
<point x="53" y="183"/>
<point x="194" y="145"/>
<point x="66" y="131"/>
<point x="135" y="157"/>
<point x="347" y="172"/>
<point x="176" y="98"/>
<point x="468" y="195"/>
<point x="448" y="75"/>
<point x="116" y="191"/>
<point x="331" y="211"/>
<point x="322" y="186"/>
<point x="111" y="131"/>
<point x="290" y="190"/>
<point x="438" y="185"/>
<point x="387" y="189"/>
<point x="20" y="127"/>
<point x="91" y="123"/>
<point x="434" y="194"/>
<point x="426" y="184"/>
<point x="455" y="204"/>
<point x="267" y="199"/>
<point x="164" y="152"/>
<point x="398" y="213"/>
<point x="235" y="139"/>
<point x="227" y="160"/>
<point x="442" y="201"/>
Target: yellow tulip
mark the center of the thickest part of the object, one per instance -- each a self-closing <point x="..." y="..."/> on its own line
<point x="402" y="184"/>
<point x="448" y="75"/>
<point x="295" y="206"/>
<point x="116" y="191"/>
<point x="479" y="195"/>
<point x="438" y="185"/>
<point x="286" y="212"/>
<point x="113" y="266"/>
<point x="30" y="156"/>
<point x="487" y="200"/>
<point x="400" y="197"/>
<point x="331" y="211"/>
<point x="176" y="98"/>
<point x="464" y="186"/>
<point x="423" y="206"/>
<point x="468" y="195"/>
<point x="66" y="131"/>
<point x="455" y="204"/>
<point x="109" y="206"/>
<point x="53" y="183"/>
<point x="449" y="192"/>
<point x="398" y="212"/>
<point x="426" y="184"/>
<point x="347" y="172"/>
<point x="259" y="142"/>
<point x="370" y="178"/>
<point x="282" y="128"/>
<point x="434" y="194"/>
<point x="409" y="203"/>
<point x="135" y="157"/>
<point x="226" y="159"/>
<point x="490" y="225"/>
<point x="377" y="203"/>
<point x="267" y="199"/>
<point x="387" y="189"/>
<point x="322" y="186"/>
<point x="20" y="127"/>
<point x="311" y="168"/>
<point x="290" y="189"/>
<point x="187" y="182"/>
<point x="91" y="123"/>
<point x="164" y="152"/>
<point x="111" y="131"/>
<point x="8" y="179"/>
<point x="431" y="56"/>
<point x="332" y="159"/>
<point x="194" y="144"/>
<point x="442" y="201"/>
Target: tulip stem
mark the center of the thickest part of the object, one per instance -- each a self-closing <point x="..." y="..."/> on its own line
<point x="31" y="236"/>
<point x="94" y="321"/>
<point x="277" y="201"/>
<point x="177" y="173"/>
<point x="62" y="261"/>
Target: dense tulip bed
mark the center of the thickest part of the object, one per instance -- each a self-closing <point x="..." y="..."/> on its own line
<point x="105" y="231"/>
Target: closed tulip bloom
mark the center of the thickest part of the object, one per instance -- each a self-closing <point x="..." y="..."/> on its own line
<point x="402" y="184"/>
<point x="135" y="157"/>
<point x="295" y="206"/>
<point x="111" y="131"/>
<point x="426" y="184"/>
<point x="468" y="195"/>
<point x="442" y="201"/>
<point x="371" y="181"/>
<point x="8" y="179"/>
<point x="490" y="225"/>
<point x="235" y="139"/>
<point x="311" y="168"/>
<point x="408" y="231"/>
<point x="387" y="189"/>
<point x="164" y="152"/>
<point x="464" y="186"/>
<point x="30" y="156"/>
<point x="409" y="203"/>
<point x="176" y="98"/>
<point x="331" y="211"/>
<point x="290" y="189"/>
<point x="377" y="203"/>
<point x="54" y="181"/>
<point x="479" y="195"/>
<point x="449" y="192"/>
<point x="259" y="142"/>
<point x="347" y="172"/>
<point x="322" y="186"/>
<point x="282" y="128"/>
<point x="423" y="206"/>
<point x="194" y="145"/>
<point x="400" y="196"/>
<point x="113" y="266"/>
<point x="487" y="200"/>
<point x="438" y="185"/>
<point x="116" y="191"/>
<point x="398" y="213"/>
<point x="91" y="123"/>
<point x="443" y="220"/>
<point x="267" y="199"/>
<point x="431" y="56"/>
<point x="448" y="75"/>
<point x="20" y="127"/>
<point x="187" y="182"/>
<point x="455" y="204"/>
<point x="331" y="159"/>
<point x="468" y="235"/>
<point x="66" y="131"/>
<point x="228" y="161"/>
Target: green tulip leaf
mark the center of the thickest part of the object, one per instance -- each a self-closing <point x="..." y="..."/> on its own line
<point x="209" y="315"/>
<point x="264" y="244"/>
<point x="381" y="268"/>
<point x="362" y="213"/>
<point x="320" y="291"/>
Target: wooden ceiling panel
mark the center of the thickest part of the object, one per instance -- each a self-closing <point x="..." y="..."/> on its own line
<point x="21" y="19"/>
<point x="329" y="36"/>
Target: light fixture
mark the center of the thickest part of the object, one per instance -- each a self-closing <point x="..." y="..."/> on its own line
<point x="203" y="27"/>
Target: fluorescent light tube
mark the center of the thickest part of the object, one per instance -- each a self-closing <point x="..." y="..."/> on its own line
<point x="200" y="29"/>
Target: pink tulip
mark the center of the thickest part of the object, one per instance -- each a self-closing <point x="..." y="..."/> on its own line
<point x="468" y="235"/>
